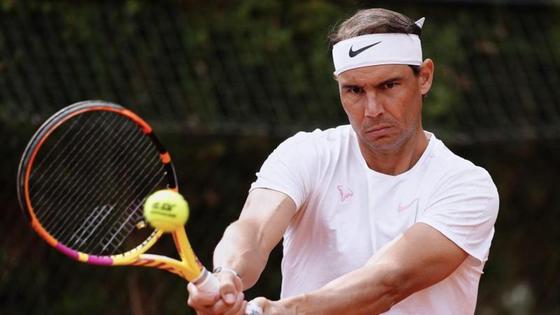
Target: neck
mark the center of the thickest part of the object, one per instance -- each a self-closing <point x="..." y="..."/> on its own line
<point x="395" y="161"/>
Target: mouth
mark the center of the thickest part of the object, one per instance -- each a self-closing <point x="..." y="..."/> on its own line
<point x="378" y="131"/>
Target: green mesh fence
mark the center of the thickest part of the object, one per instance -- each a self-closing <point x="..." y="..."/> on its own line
<point x="256" y="68"/>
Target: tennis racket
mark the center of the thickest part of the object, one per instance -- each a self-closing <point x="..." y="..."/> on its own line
<point x="82" y="182"/>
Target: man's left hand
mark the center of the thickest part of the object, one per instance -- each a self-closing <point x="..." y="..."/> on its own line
<point x="273" y="307"/>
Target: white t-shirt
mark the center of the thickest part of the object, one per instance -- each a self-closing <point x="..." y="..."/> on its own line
<point x="347" y="212"/>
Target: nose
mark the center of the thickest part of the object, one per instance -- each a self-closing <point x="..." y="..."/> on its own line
<point x="374" y="107"/>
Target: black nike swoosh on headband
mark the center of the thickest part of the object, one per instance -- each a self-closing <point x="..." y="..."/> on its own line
<point x="354" y="53"/>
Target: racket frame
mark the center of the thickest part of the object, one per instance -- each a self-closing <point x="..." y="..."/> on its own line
<point x="188" y="267"/>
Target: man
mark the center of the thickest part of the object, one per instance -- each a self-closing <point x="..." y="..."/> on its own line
<point x="376" y="217"/>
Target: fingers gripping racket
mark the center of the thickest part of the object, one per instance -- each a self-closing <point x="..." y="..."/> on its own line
<point x="82" y="181"/>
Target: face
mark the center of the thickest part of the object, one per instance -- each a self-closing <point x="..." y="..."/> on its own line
<point x="384" y="103"/>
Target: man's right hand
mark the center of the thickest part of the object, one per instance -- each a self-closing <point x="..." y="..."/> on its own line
<point x="229" y="301"/>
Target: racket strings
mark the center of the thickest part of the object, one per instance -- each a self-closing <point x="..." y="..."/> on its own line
<point x="89" y="186"/>
<point x="69" y="170"/>
<point x="61" y="159"/>
<point x="89" y="226"/>
<point x="122" y="229"/>
<point x="66" y="171"/>
<point x="97" y="217"/>
<point x="119" y="225"/>
<point x="102" y="177"/>
<point x="60" y="172"/>
<point x="56" y="148"/>
<point x="125" y="224"/>
<point x="103" y="208"/>
<point x="133" y="214"/>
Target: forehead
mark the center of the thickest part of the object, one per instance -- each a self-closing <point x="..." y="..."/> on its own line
<point x="374" y="74"/>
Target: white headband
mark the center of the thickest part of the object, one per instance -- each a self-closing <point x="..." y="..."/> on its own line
<point x="376" y="49"/>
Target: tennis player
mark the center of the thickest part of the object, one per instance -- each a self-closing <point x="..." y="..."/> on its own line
<point x="377" y="216"/>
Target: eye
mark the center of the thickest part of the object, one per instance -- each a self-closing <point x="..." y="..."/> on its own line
<point x="355" y="89"/>
<point x="389" y="85"/>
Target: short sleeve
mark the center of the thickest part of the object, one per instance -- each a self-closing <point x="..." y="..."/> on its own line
<point x="290" y="168"/>
<point x="464" y="208"/>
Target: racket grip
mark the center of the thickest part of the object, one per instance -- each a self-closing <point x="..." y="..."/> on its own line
<point x="209" y="283"/>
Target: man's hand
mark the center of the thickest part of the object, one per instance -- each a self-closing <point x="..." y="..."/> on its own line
<point x="281" y="307"/>
<point x="229" y="301"/>
<point x="245" y="247"/>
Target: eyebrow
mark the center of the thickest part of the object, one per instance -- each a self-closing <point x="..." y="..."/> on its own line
<point x="390" y="80"/>
<point x="347" y="86"/>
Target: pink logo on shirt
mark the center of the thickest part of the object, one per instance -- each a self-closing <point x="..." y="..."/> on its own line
<point x="408" y="205"/>
<point x="344" y="193"/>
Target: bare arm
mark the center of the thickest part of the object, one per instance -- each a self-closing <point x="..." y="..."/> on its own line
<point x="247" y="243"/>
<point x="404" y="267"/>
<point x="245" y="248"/>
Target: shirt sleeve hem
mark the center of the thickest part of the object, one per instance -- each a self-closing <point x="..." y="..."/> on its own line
<point x="283" y="190"/>
<point x="455" y="239"/>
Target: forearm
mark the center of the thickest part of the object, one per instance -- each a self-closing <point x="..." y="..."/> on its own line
<point x="239" y="250"/>
<point x="247" y="242"/>
<point x="372" y="289"/>
<point x="398" y="270"/>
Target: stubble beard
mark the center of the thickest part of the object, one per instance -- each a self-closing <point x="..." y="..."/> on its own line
<point x="394" y="146"/>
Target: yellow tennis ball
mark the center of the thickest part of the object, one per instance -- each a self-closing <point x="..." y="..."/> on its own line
<point x="166" y="210"/>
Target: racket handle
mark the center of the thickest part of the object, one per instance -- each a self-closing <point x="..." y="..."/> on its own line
<point x="209" y="283"/>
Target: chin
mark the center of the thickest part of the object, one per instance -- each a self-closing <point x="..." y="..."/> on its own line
<point x="386" y="143"/>
<point x="384" y="146"/>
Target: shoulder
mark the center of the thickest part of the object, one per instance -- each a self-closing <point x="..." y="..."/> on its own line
<point x="456" y="171"/>
<point x="462" y="201"/>
<point x="318" y="140"/>
<point x="297" y="165"/>
<point x="332" y="134"/>
<point x="452" y="164"/>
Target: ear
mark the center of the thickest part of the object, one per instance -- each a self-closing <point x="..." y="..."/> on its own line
<point x="426" y="76"/>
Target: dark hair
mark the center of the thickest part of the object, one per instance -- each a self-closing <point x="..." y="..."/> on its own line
<point x="375" y="21"/>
